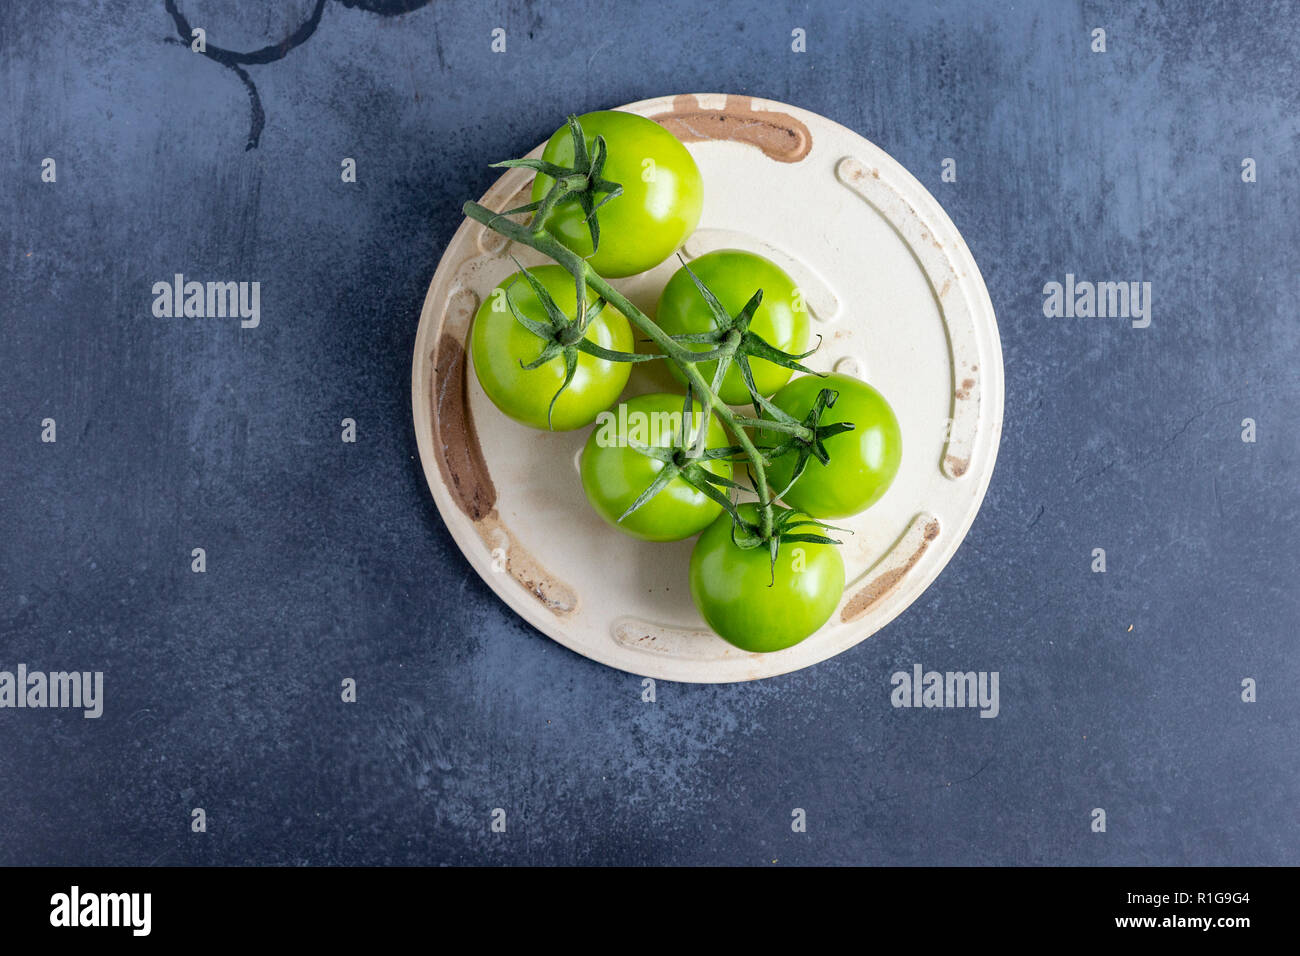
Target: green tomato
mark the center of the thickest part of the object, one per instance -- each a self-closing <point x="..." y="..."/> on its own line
<point x="863" y="461"/>
<point x="733" y="277"/>
<point x="499" y="343"/>
<point x="756" y="605"/>
<point x="660" y="204"/>
<point x="614" y="474"/>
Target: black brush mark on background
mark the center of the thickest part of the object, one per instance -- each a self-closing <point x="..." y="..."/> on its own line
<point x="236" y="60"/>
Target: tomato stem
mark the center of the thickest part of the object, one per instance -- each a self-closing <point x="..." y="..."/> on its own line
<point x="767" y="424"/>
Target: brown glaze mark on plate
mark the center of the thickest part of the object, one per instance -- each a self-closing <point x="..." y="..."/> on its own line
<point x="920" y="533"/>
<point x="779" y="135"/>
<point x="460" y="459"/>
<point x="520" y="564"/>
<point x="956" y="466"/>
<point x="693" y="643"/>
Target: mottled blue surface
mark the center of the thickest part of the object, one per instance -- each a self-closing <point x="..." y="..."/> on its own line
<point x="328" y="560"/>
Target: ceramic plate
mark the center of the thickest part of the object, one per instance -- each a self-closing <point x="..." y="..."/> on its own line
<point x="899" y="302"/>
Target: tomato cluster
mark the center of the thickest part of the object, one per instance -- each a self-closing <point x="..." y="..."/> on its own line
<point x="614" y="195"/>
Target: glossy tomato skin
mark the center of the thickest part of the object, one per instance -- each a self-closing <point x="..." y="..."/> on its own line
<point x="731" y="588"/>
<point x="499" y="343"/>
<point x="733" y="277"/>
<point x="614" y="475"/>
<point x="863" y="461"/>
<point x="651" y="219"/>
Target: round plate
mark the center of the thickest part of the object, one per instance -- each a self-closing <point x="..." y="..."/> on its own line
<point x="898" y="301"/>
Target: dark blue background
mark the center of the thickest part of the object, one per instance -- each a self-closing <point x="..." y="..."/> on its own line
<point x="328" y="560"/>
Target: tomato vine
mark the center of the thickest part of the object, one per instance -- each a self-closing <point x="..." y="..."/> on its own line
<point x="730" y="342"/>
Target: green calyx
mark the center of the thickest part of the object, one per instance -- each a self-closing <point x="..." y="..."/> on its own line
<point x="805" y="439"/>
<point x="786" y="523"/>
<point x="564" y="336"/>
<point x="581" y="183"/>
<point x="685" y="458"/>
